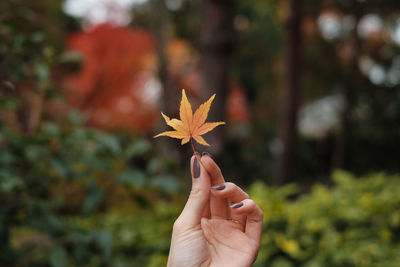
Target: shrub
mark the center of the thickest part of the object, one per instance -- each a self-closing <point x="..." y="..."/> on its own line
<point x="354" y="223"/>
<point x="78" y="197"/>
<point x="56" y="176"/>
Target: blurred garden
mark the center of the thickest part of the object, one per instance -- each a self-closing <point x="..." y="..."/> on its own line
<point x="309" y="91"/>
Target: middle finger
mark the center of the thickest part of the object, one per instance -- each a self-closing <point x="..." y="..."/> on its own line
<point x="218" y="206"/>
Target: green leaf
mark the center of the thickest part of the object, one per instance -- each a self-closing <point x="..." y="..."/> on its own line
<point x="166" y="183"/>
<point x="58" y="257"/>
<point x="7" y="157"/>
<point x="154" y="166"/>
<point x="108" y="141"/>
<point x="9" y="182"/>
<point x="138" y="148"/>
<point x="50" y="129"/>
<point x="71" y="57"/>
<point x="42" y="71"/>
<point x="94" y="195"/>
<point x="34" y="153"/>
<point x="75" y="118"/>
<point x="104" y="241"/>
<point x="60" y="167"/>
<point x="132" y="177"/>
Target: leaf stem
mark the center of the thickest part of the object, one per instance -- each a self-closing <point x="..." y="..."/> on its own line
<point x="191" y="142"/>
<point x="197" y="155"/>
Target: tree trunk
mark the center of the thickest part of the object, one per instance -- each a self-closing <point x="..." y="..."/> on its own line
<point x="290" y="95"/>
<point x="217" y="43"/>
<point x="342" y="143"/>
<point x="352" y="77"/>
<point x="161" y="29"/>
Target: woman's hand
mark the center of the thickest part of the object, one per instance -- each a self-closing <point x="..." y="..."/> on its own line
<point x="209" y="232"/>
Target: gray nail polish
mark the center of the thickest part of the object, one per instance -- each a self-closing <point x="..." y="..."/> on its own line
<point x="237" y="205"/>
<point x="196" y="168"/>
<point x="218" y="187"/>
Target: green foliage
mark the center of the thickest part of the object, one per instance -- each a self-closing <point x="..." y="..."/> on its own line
<point x="55" y="174"/>
<point x="355" y="223"/>
<point x="31" y="38"/>
<point x="139" y="239"/>
<point x="78" y="197"/>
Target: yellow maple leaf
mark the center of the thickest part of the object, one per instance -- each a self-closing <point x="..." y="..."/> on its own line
<point x="190" y="125"/>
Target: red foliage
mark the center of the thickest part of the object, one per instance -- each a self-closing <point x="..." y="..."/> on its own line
<point x="113" y="83"/>
<point x="117" y="85"/>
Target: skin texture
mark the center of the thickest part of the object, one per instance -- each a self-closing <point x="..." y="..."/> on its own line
<point x="209" y="232"/>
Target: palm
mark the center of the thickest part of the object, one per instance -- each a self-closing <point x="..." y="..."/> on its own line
<point x="218" y="243"/>
<point x="227" y="243"/>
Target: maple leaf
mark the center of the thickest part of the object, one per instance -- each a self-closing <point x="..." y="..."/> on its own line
<point x="190" y="125"/>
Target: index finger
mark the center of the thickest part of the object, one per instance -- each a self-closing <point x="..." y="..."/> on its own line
<point x="213" y="170"/>
<point x="218" y="206"/>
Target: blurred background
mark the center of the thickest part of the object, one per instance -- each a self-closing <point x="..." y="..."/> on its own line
<point x="309" y="90"/>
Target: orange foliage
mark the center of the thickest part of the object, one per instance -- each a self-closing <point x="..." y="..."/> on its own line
<point x="191" y="125"/>
<point x="117" y="84"/>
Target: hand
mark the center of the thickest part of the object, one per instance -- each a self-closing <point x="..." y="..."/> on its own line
<point x="209" y="232"/>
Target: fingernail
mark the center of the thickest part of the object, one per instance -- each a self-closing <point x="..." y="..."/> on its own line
<point x="218" y="187"/>
<point x="237" y="205"/>
<point x="206" y="154"/>
<point x="196" y="168"/>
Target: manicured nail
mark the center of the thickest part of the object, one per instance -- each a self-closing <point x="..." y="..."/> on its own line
<point x="218" y="187"/>
<point x="237" y="205"/>
<point x="196" y="168"/>
<point x="206" y="153"/>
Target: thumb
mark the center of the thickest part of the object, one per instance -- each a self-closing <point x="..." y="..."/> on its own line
<point x="199" y="195"/>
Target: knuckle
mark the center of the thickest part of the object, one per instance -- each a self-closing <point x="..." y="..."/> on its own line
<point x="233" y="188"/>
<point x="230" y="185"/>
<point x="255" y="209"/>
<point x="255" y="221"/>
<point x="258" y="213"/>
<point x="195" y="192"/>
<point x="251" y="203"/>
<point x="261" y="212"/>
